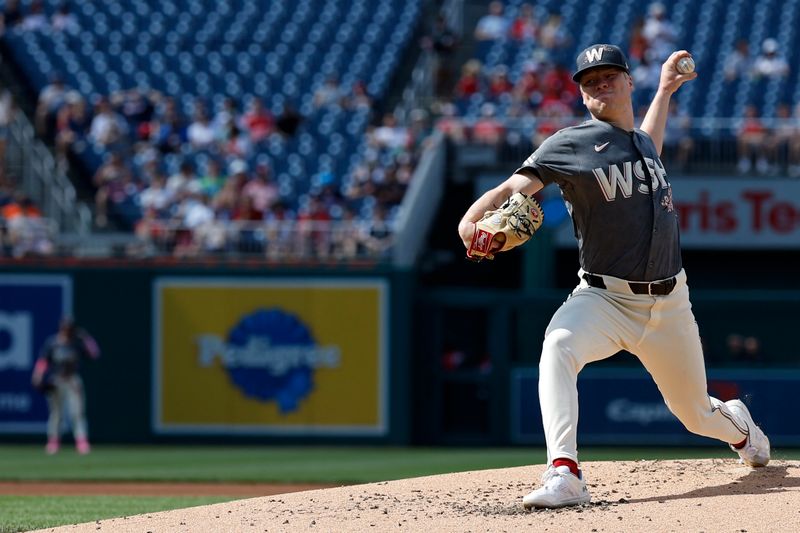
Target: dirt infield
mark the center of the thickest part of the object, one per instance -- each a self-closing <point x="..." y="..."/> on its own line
<point x="678" y="495"/>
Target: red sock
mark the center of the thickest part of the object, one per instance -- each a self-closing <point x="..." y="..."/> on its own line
<point x="740" y="445"/>
<point x="573" y="466"/>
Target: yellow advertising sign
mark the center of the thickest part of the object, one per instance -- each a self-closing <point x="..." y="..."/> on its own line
<point x="270" y="356"/>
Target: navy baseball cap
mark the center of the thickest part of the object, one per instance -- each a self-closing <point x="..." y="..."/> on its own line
<point x="599" y="55"/>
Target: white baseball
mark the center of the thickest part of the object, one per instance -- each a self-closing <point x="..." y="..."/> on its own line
<point x="685" y="65"/>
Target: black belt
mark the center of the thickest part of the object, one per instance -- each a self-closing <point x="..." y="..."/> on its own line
<point x="654" y="288"/>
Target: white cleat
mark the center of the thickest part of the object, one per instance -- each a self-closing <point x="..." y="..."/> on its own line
<point x="560" y="488"/>
<point x="756" y="451"/>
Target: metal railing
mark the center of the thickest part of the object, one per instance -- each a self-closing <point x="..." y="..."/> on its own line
<point x="419" y="91"/>
<point x="277" y="241"/>
<point x="708" y="146"/>
<point x="29" y="159"/>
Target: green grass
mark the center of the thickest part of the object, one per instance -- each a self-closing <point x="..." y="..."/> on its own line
<point x="23" y="513"/>
<point x="251" y="464"/>
<point x="295" y="464"/>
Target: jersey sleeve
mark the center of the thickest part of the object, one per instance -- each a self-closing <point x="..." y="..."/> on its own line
<point x="554" y="159"/>
<point x="89" y="345"/>
<point x="647" y="139"/>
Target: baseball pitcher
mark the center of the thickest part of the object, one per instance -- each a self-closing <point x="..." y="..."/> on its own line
<point x="632" y="293"/>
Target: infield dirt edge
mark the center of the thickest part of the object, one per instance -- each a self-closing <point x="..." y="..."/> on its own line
<point x="652" y="495"/>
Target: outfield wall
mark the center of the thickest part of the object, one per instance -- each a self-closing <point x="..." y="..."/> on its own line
<point x="243" y="354"/>
<point x="477" y="369"/>
<point x="624" y="406"/>
<point x="217" y="354"/>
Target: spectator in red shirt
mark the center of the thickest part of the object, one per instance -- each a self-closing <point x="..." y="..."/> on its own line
<point x="470" y="82"/>
<point x="525" y="26"/>
<point x="558" y="80"/>
<point x="314" y="228"/>
<point x="246" y="210"/>
<point x="553" y="104"/>
<point x="499" y="84"/>
<point x="528" y="87"/>
<point x="487" y="129"/>
<point x="551" y="118"/>
<point x="258" y="120"/>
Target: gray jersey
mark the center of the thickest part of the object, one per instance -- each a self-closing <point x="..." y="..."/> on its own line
<point x="622" y="229"/>
<point x="64" y="354"/>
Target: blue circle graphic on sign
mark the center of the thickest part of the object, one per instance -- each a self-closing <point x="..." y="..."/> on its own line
<point x="272" y="340"/>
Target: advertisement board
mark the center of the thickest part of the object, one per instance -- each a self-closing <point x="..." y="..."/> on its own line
<point x="31" y="307"/>
<point x="283" y="357"/>
<point x="624" y="407"/>
<point x="730" y="213"/>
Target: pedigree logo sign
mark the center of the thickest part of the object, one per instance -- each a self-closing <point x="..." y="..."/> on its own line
<point x="304" y="357"/>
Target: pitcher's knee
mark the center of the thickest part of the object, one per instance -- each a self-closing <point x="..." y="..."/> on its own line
<point x="558" y="348"/>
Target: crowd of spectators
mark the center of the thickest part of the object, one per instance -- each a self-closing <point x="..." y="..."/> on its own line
<point x="769" y="63"/>
<point x="225" y="204"/>
<point x="194" y="177"/>
<point x="488" y="104"/>
<point x="495" y="104"/>
<point x="137" y="128"/>
<point x="492" y="104"/>
<point x="191" y="208"/>
<point x="202" y="206"/>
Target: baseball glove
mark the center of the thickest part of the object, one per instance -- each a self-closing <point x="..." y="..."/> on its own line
<point x="502" y="229"/>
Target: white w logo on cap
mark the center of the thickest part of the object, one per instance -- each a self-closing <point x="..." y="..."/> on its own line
<point x="595" y="54"/>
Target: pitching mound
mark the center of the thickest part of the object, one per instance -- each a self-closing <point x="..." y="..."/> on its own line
<point x="685" y="495"/>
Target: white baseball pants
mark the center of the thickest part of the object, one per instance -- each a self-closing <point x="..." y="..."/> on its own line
<point x="594" y="324"/>
<point x="67" y="395"/>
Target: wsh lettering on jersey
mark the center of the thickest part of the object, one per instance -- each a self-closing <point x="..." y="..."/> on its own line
<point x="622" y="178"/>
